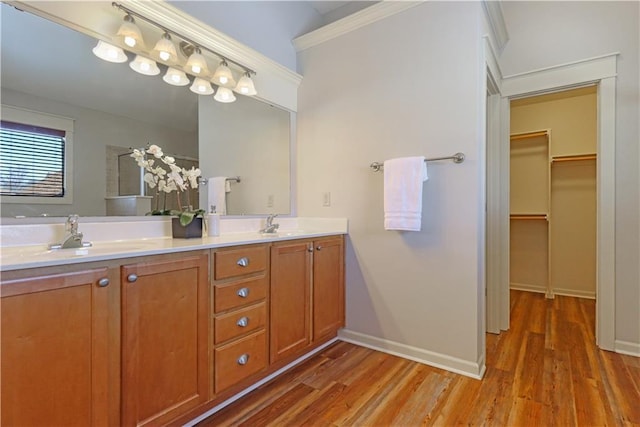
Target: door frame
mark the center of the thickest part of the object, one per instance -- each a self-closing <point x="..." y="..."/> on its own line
<point x="602" y="72"/>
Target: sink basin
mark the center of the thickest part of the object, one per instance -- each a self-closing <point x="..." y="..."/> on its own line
<point x="99" y="248"/>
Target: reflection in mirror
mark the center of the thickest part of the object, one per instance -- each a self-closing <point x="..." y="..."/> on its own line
<point x="52" y="71"/>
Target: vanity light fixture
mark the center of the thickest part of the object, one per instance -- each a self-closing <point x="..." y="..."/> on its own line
<point x="175" y="77"/>
<point x="196" y="63"/>
<point x="201" y="86"/>
<point x="130" y="32"/>
<point x="224" y="95"/>
<point x="144" y="66"/>
<point x="109" y="52"/>
<point x="165" y="50"/>
<point x="245" y="85"/>
<point x="223" y="75"/>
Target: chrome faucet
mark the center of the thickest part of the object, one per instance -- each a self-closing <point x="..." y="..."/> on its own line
<point x="72" y="238"/>
<point x="269" y="226"/>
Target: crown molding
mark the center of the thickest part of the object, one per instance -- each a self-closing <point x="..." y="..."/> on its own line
<point x="499" y="34"/>
<point x="350" y="23"/>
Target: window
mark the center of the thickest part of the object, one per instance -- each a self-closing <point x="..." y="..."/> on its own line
<point x="31" y="160"/>
<point x="35" y="157"/>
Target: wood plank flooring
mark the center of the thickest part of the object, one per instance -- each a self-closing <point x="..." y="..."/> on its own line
<point x="545" y="371"/>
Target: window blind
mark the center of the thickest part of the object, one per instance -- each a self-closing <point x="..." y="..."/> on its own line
<point x="31" y="160"/>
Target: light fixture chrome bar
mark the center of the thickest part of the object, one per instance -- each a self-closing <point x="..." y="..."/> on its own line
<point x="186" y="39"/>
<point x="457" y="158"/>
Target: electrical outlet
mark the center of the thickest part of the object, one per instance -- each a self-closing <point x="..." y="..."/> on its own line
<point x="326" y="199"/>
<point x="270" y="201"/>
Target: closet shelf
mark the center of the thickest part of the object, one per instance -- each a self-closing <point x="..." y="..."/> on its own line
<point x="529" y="216"/>
<point x="573" y="157"/>
<point x="529" y="135"/>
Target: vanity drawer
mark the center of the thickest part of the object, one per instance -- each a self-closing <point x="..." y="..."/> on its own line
<point x="238" y="360"/>
<point x="239" y="293"/>
<point x="240" y="261"/>
<point x="239" y="322"/>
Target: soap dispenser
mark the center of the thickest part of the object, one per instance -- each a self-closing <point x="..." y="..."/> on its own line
<point x="213" y="221"/>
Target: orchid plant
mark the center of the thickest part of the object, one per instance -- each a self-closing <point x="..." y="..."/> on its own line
<point x="177" y="179"/>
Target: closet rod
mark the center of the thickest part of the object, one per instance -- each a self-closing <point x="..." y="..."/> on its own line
<point x="574" y="157"/>
<point x="529" y="216"/>
<point x="457" y="158"/>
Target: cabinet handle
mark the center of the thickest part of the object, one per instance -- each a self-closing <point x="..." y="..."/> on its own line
<point x="243" y="360"/>
<point x="243" y="262"/>
<point x="243" y="322"/>
<point x="103" y="282"/>
<point x="310" y="248"/>
<point x="132" y="278"/>
<point x="318" y="247"/>
<point x="243" y="292"/>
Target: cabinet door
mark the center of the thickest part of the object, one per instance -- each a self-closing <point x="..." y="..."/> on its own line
<point x="56" y="347"/>
<point x="165" y="332"/>
<point x="328" y="287"/>
<point x="290" y="298"/>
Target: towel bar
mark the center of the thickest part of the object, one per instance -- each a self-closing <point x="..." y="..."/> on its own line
<point x="203" y="181"/>
<point x="457" y="158"/>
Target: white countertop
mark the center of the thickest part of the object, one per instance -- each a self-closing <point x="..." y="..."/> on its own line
<point x="16" y="257"/>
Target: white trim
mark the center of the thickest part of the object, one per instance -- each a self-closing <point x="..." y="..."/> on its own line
<point x="544" y="80"/>
<point x="254" y="386"/>
<point x="505" y="221"/>
<point x="497" y="24"/>
<point x="51" y="121"/>
<point x="574" y="293"/>
<point x="528" y="288"/>
<point x="352" y="22"/>
<point x="628" y="348"/>
<point x="493" y="254"/>
<point x="438" y="360"/>
<point x="600" y="70"/>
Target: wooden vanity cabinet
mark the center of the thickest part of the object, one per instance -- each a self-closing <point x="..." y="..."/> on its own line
<point x="165" y="338"/>
<point x="59" y="335"/>
<point x="307" y="294"/>
<point x="240" y="301"/>
<point x="328" y="287"/>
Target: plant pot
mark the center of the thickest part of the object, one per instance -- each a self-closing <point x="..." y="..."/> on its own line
<point x="193" y="230"/>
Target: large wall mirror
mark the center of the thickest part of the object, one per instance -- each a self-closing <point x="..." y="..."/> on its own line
<point x="49" y="69"/>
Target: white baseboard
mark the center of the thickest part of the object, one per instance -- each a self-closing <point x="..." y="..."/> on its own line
<point x="628" y="348"/>
<point x="527" y="287"/>
<point x="438" y="360"/>
<point x="575" y="293"/>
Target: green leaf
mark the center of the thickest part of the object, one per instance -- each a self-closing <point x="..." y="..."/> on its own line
<point x="186" y="218"/>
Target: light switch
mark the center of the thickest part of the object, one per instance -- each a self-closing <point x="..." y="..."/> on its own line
<point x="326" y="199"/>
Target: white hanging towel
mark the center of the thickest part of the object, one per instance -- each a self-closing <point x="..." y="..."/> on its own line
<point x="217" y="187"/>
<point x="403" y="180"/>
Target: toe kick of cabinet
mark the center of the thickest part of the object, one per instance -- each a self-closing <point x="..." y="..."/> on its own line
<point x="239" y="359"/>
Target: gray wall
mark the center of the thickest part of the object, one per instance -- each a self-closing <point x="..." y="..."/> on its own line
<point x="407" y="85"/>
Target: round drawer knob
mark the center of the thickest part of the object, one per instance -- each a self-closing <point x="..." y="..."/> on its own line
<point x="318" y="248"/>
<point x="243" y="262"/>
<point x="103" y="282"/>
<point x="244" y="359"/>
<point x="132" y="278"/>
<point x="243" y="292"/>
<point x="243" y="322"/>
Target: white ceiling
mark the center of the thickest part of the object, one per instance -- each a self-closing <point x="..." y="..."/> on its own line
<point x="323" y="7"/>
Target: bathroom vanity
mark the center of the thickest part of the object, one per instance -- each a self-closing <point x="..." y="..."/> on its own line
<point x="165" y="332"/>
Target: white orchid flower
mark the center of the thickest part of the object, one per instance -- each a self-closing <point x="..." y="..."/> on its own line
<point x="155" y="151"/>
<point x="169" y="187"/>
<point x="150" y="180"/>
<point x="192" y="175"/>
<point x="168" y="160"/>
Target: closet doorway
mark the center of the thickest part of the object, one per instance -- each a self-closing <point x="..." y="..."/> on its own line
<point x="553" y="193"/>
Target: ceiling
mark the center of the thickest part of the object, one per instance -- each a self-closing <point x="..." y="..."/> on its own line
<point x="323" y="7"/>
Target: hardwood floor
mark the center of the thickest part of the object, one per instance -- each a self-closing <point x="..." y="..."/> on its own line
<point x="545" y="371"/>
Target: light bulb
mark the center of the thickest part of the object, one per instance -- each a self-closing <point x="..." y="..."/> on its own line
<point x="175" y="77"/>
<point x="201" y="87"/>
<point x="245" y="85"/>
<point x="224" y="95"/>
<point x="164" y="55"/>
<point x="196" y="64"/>
<point x="165" y="50"/>
<point x="130" y="32"/>
<point x="223" y="75"/>
<point x="109" y="52"/>
<point x="130" y="41"/>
